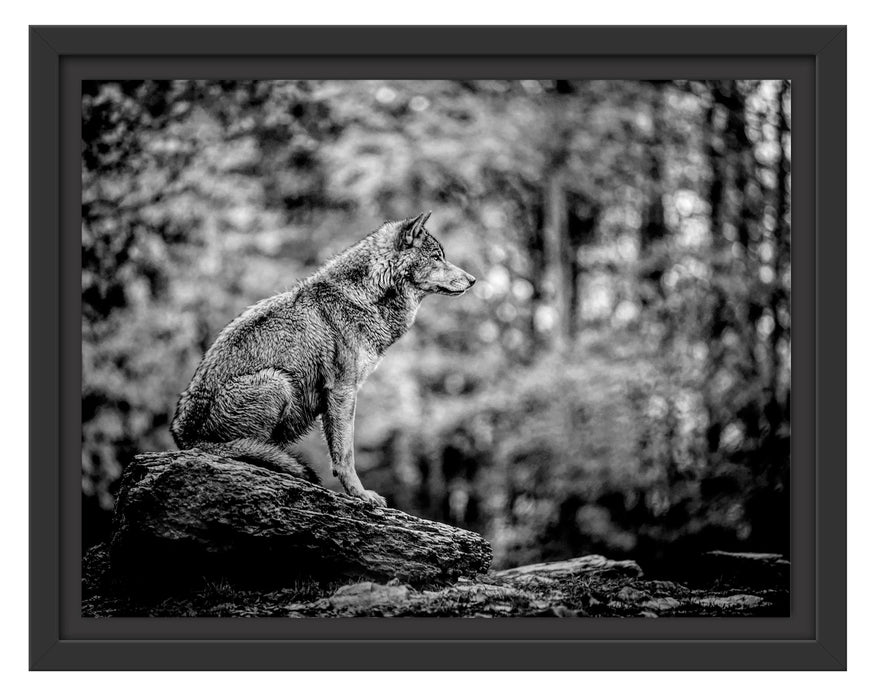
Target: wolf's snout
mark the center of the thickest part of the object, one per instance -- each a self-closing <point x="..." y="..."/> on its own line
<point x="470" y="279"/>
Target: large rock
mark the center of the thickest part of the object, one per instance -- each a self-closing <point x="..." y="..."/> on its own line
<point x="589" y="565"/>
<point x="749" y="568"/>
<point x="181" y="514"/>
<point x="231" y="539"/>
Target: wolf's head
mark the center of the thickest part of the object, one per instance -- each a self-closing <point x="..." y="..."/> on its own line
<point x="420" y="260"/>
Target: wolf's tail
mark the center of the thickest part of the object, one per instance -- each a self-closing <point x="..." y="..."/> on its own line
<point x="261" y="454"/>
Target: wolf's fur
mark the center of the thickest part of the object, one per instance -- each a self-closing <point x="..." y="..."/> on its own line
<point x="305" y="353"/>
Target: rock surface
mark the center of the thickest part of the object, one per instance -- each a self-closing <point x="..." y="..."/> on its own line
<point x="598" y="587"/>
<point x="190" y="513"/>
<point x="749" y="568"/>
<point x="197" y="535"/>
<point x="588" y="565"/>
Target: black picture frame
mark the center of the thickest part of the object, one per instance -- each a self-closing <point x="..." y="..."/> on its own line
<point x="814" y="58"/>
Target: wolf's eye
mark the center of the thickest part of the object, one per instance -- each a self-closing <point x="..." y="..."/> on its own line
<point x="436" y="256"/>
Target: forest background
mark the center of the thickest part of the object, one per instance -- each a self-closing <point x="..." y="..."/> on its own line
<point x="617" y="382"/>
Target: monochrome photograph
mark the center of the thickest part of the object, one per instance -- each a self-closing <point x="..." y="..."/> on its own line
<point x="436" y="348"/>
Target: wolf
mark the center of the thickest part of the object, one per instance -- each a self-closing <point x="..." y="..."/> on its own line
<point x="303" y="354"/>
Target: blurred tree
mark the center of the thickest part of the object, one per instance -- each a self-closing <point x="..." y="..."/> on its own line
<point x="557" y="246"/>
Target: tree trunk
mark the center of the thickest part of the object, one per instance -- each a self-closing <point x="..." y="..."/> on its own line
<point x="781" y="239"/>
<point x="653" y="230"/>
<point x="654" y="225"/>
<point x="715" y="153"/>
<point x="189" y="513"/>
<point x="557" y="246"/>
<point x="558" y="254"/>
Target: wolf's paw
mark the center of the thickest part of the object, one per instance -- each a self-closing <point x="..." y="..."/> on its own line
<point x="372" y="498"/>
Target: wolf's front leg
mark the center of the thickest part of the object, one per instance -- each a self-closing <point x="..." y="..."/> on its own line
<point x="339" y="430"/>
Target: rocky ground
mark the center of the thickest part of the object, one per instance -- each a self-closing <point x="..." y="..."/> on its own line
<point x="198" y="536"/>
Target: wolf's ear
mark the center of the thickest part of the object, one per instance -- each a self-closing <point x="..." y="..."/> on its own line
<point x="411" y="229"/>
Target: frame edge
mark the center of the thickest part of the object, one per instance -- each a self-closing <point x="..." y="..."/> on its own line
<point x="48" y="652"/>
<point x="43" y="333"/>
<point x="410" y="40"/>
<point x="831" y="300"/>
